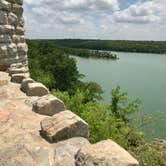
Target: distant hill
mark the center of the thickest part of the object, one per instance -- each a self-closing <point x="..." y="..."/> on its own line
<point x="114" y="45"/>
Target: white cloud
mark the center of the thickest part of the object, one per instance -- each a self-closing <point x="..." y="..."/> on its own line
<point x="77" y="4"/>
<point x="142" y="12"/>
<point x="95" y="19"/>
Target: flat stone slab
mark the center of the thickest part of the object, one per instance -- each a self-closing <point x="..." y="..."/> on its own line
<point x="48" y="105"/>
<point x="4" y="80"/>
<point x="36" y="89"/>
<point x="63" y="125"/>
<point x="17" y="78"/>
<point x="16" y="65"/>
<point x="104" y="153"/>
<point x="13" y="70"/>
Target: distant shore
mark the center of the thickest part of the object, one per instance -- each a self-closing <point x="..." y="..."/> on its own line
<point x="158" y="47"/>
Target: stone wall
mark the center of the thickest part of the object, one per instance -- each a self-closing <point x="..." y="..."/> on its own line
<point x="13" y="48"/>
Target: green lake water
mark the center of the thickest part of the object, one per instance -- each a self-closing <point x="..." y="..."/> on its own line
<point x="141" y="76"/>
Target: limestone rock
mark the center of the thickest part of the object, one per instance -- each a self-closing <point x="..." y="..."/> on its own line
<point x="21" y="22"/>
<point x="24" y="84"/>
<point x="36" y="89"/>
<point x="31" y="100"/>
<point x="17" y="65"/>
<point x="20" y="140"/>
<point x="17" y="156"/>
<point x="17" y="9"/>
<point x="12" y="19"/>
<point x="12" y="50"/>
<point x="19" y="30"/>
<point x="3" y="79"/>
<point x="22" y="155"/>
<point x="48" y="105"/>
<point x="18" y="38"/>
<point x="4" y="5"/>
<point x="65" y="151"/>
<point x="3" y="51"/>
<point x="5" y="62"/>
<point x="104" y="153"/>
<point x="22" y="48"/>
<point x="5" y="38"/>
<point x="63" y="125"/>
<point x="3" y="17"/>
<point x="6" y="29"/>
<point x="20" y="2"/>
<point x="13" y="70"/>
<point x="11" y="1"/>
<point x="17" y="78"/>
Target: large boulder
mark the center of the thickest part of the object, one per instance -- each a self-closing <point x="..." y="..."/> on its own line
<point x="104" y="153"/>
<point x="36" y="89"/>
<point x="65" y="151"/>
<point x="48" y="105"/>
<point x="63" y="125"/>
<point x="24" y="84"/>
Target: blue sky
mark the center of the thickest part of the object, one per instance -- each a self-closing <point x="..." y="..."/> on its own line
<point x="126" y="3"/>
<point x="96" y="19"/>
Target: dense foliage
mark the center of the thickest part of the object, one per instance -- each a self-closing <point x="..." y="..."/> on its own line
<point x="115" y="45"/>
<point x="59" y="72"/>
<point x="52" y="66"/>
<point x="79" y="51"/>
<point x="105" y="122"/>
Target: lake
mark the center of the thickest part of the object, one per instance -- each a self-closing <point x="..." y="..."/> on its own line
<point x="141" y="76"/>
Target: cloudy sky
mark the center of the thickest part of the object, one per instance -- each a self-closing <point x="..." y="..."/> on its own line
<point x="96" y="19"/>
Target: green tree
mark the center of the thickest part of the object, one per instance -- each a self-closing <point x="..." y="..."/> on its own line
<point x="121" y="105"/>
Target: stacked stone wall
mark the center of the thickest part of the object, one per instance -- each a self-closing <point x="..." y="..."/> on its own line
<point x="13" y="48"/>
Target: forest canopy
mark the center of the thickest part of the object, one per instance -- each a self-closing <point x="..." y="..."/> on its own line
<point x="115" y="45"/>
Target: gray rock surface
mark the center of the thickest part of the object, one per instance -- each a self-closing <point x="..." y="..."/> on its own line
<point x="4" y="5"/>
<point x="12" y="34"/>
<point x="65" y="151"/>
<point x="13" y="70"/>
<point x="36" y="89"/>
<point x="63" y="125"/>
<point x="24" y="84"/>
<point x="20" y="140"/>
<point x="17" y="155"/>
<point x="5" y="38"/>
<point x="12" y="19"/>
<point x="104" y="153"/>
<point x="4" y="80"/>
<point x="48" y="105"/>
<point x="17" y="78"/>
<point x="16" y="65"/>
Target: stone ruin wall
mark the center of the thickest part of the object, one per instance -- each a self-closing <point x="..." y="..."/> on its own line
<point x="13" y="48"/>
